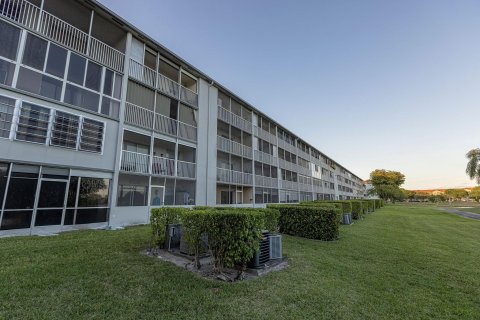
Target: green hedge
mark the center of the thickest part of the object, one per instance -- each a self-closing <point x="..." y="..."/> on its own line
<point x="311" y="222"/>
<point x="160" y="218"/>
<point x="357" y="209"/>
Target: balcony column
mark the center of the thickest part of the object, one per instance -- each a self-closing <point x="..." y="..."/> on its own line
<point x="118" y="156"/>
<point x="89" y="39"/>
<point x="40" y="16"/>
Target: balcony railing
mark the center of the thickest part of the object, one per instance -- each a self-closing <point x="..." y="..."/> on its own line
<point x="303" y="154"/>
<point x="227" y="145"/>
<point x="268" y="182"/>
<point x="186" y="169"/>
<point x="265" y="135"/>
<point x="304" y="171"/>
<point x="305" y="187"/>
<point x="135" y="162"/>
<point x="234" y="177"/>
<point x="233" y="119"/>
<point x="158" y="81"/>
<point x="163" y="166"/>
<point x="289" y="185"/>
<point x="287" y="165"/>
<point x="287" y="146"/>
<point x="265" y="158"/>
<point x="144" y="118"/>
<point x="56" y="29"/>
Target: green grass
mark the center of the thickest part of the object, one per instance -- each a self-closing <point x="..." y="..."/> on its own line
<point x="398" y="263"/>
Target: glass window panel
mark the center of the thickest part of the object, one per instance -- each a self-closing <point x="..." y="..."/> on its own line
<point x="7" y="106"/>
<point x="76" y="69"/>
<point x="34" y="52"/>
<point x="117" y="90"/>
<point x="185" y="192"/>
<point x="168" y="70"/>
<point x="38" y="83"/>
<point x="94" y="215"/>
<point x="33" y="123"/>
<point x="52" y="194"/>
<point x="7" y="70"/>
<point x="110" y="107"/>
<point x="93" y="192"/>
<point x="91" y="138"/>
<point x="81" y="98"/>
<point x="132" y="195"/>
<point x="65" y="130"/>
<point x="166" y="106"/>
<point x="48" y="217"/>
<point x="108" y="82"/>
<point x="55" y="173"/>
<point x="94" y="76"/>
<point x="140" y="95"/>
<point x="69" y="215"/>
<point x="9" y="37"/>
<point x="169" y="192"/>
<point x="21" y="191"/>
<point x="3" y="179"/>
<point x="72" y="192"/>
<point x="188" y="115"/>
<point x="157" y="196"/>
<point x="57" y="59"/>
<point x="16" y="219"/>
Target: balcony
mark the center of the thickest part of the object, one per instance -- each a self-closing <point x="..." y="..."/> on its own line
<point x="163" y="166"/>
<point x="158" y="81"/>
<point x="233" y="119"/>
<point x="265" y="135"/>
<point x="265" y="158"/>
<point x="33" y="18"/>
<point x="186" y="169"/>
<point x="287" y="165"/>
<point x="289" y="185"/>
<point x="135" y="162"/>
<point x="234" y="177"/>
<point x="287" y="146"/>
<point x="304" y="171"/>
<point x="305" y="187"/>
<point x="227" y="145"/>
<point x="141" y="117"/>
<point x="302" y="154"/>
<point x="261" y="181"/>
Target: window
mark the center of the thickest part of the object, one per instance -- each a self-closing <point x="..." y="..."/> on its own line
<point x="108" y="82"/>
<point x="81" y="98"/>
<point x="91" y="138"/>
<point x="38" y="83"/>
<point x="33" y="123"/>
<point x="57" y="59"/>
<point x="22" y="187"/>
<point x="3" y="178"/>
<point x="110" y="107"/>
<point x="166" y="106"/>
<point x="7" y="106"/>
<point x="6" y="72"/>
<point x="34" y="52"/>
<point x="185" y="192"/>
<point x="94" y="192"/>
<point x="188" y="115"/>
<point x="65" y="130"/>
<point x="133" y="191"/>
<point x="94" y="75"/>
<point x="76" y="69"/>
<point x="9" y="37"/>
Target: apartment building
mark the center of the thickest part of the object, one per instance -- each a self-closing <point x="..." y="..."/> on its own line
<point x="99" y="123"/>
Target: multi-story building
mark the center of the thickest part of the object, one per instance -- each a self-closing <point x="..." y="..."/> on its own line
<point x="99" y="123"/>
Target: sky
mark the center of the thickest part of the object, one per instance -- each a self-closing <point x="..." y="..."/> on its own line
<point x="373" y="84"/>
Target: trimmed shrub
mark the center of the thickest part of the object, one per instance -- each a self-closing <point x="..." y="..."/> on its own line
<point x="357" y="209"/>
<point x="234" y="235"/>
<point x="371" y="205"/>
<point x="160" y="218"/>
<point x="311" y="222"/>
<point x="194" y="228"/>
<point x="271" y="219"/>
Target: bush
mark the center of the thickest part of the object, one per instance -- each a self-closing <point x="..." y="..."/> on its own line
<point x="234" y="235"/>
<point x="311" y="222"/>
<point x="271" y="219"/>
<point x="357" y="209"/>
<point x="160" y="218"/>
<point x="194" y="228"/>
<point x="371" y="205"/>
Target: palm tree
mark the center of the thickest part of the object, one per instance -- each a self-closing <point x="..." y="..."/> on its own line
<point x="473" y="165"/>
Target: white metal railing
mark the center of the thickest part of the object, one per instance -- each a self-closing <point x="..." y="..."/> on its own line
<point x="265" y="157"/>
<point x="303" y="170"/>
<point x="284" y="164"/>
<point x="187" y="131"/>
<point x="265" y="135"/>
<point x="268" y="182"/>
<point x="223" y="144"/>
<point x="305" y="187"/>
<point x="186" y="169"/>
<point x="64" y="33"/>
<point x="33" y="18"/>
<point x="168" y="86"/>
<point x="223" y="114"/>
<point x="134" y="162"/>
<point x="142" y="73"/>
<point x="230" y="146"/>
<point x="223" y="175"/>
<point x="21" y="11"/>
<point x="107" y="55"/>
<point x="188" y="96"/>
<point x="286" y="146"/>
<point x="290" y="185"/>
<point x="235" y="177"/>
<point x="303" y="154"/>
<point x="241" y="123"/>
<point x="138" y="116"/>
<point x="166" y="125"/>
<point x="163" y="166"/>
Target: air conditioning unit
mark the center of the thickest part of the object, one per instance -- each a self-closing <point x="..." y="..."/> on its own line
<point x="347" y="218"/>
<point x="173" y="236"/>
<point x="262" y="256"/>
<point x="275" y="246"/>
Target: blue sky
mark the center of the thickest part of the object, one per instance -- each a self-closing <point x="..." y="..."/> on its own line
<point x="372" y="83"/>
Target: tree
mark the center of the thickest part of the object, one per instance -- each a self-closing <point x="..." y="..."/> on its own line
<point x="455" y="194"/>
<point x="473" y="165"/>
<point x="386" y="184"/>
<point x="475" y="194"/>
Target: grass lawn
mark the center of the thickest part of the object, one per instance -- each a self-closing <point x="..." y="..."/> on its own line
<point x="400" y="262"/>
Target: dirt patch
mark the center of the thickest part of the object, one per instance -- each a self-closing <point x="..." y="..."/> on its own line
<point x="206" y="270"/>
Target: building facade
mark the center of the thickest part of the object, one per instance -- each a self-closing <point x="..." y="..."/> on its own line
<point x="99" y="123"/>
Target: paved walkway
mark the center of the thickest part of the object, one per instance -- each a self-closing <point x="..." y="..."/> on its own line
<point x="465" y="214"/>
